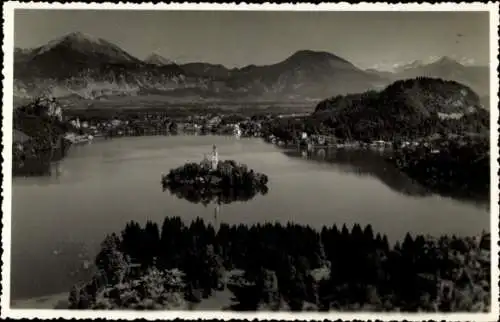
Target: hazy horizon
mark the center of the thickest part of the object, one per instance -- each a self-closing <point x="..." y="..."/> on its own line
<point x="381" y="40"/>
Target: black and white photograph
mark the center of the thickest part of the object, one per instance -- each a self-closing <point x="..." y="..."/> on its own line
<point x="279" y="161"/>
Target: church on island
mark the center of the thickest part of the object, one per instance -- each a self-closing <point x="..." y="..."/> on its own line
<point x="213" y="162"/>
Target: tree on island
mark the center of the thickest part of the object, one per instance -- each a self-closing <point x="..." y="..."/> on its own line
<point x="225" y="183"/>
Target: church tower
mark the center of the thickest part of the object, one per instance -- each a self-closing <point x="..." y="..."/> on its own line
<point x="215" y="158"/>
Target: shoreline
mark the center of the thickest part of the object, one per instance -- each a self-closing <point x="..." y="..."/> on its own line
<point x="50" y="301"/>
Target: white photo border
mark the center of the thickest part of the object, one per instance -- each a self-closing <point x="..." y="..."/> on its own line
<point x="8" y="46"/>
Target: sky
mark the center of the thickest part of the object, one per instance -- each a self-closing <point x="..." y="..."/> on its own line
<point x="380" y="40"/>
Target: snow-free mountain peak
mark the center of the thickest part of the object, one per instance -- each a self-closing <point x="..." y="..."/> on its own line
<point x="306" y="55"/>
<point x="85" y="44"/>
<point x="71" y="38"/>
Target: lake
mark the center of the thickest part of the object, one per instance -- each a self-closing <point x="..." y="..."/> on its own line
<point x="59" y="221"/>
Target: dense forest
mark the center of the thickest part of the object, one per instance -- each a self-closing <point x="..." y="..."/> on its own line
<point x="35" y="120"/>
<point x="45" y="141"/>
<point x="286" y="267"/>
<point x="405" y="110"/>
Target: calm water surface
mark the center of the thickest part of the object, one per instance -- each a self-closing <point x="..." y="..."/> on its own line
<point x="59" y="221"/>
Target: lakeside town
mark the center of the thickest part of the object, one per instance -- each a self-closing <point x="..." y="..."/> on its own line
<point x="435" y="160"/>
<point x="84" y="130"/>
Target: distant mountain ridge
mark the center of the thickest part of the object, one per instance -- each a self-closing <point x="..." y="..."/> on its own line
<point x="306" y="73"/>
<point x="88" y="67"/>
<point x="81" y="65"/>
<point x="476" y="77"/>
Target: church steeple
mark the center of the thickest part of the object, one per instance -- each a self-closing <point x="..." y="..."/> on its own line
<point x="215" y="158"/>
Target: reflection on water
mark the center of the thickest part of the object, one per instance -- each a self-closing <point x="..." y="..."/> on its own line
<point x="217" y="197"/>
<point x="363" y="163"/>
<point x="359" y="162"/>
<point x="222" y="195"/>
<point x="46" y="164"/>
<point x="374" y="164"/>
<point x="97" y="188"/>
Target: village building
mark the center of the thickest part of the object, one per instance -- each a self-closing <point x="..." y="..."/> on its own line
<point x="55" y="110"/>
<point x="76" y="123"/>
<point x="237" y="130"/>
<point x="116" y="122"/>
<point x="214" y="121"/>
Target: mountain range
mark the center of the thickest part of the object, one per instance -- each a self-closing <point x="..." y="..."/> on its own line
<point x="84" y="66"/>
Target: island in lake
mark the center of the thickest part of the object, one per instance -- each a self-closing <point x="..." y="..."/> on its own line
<point x="214" y="180"/>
